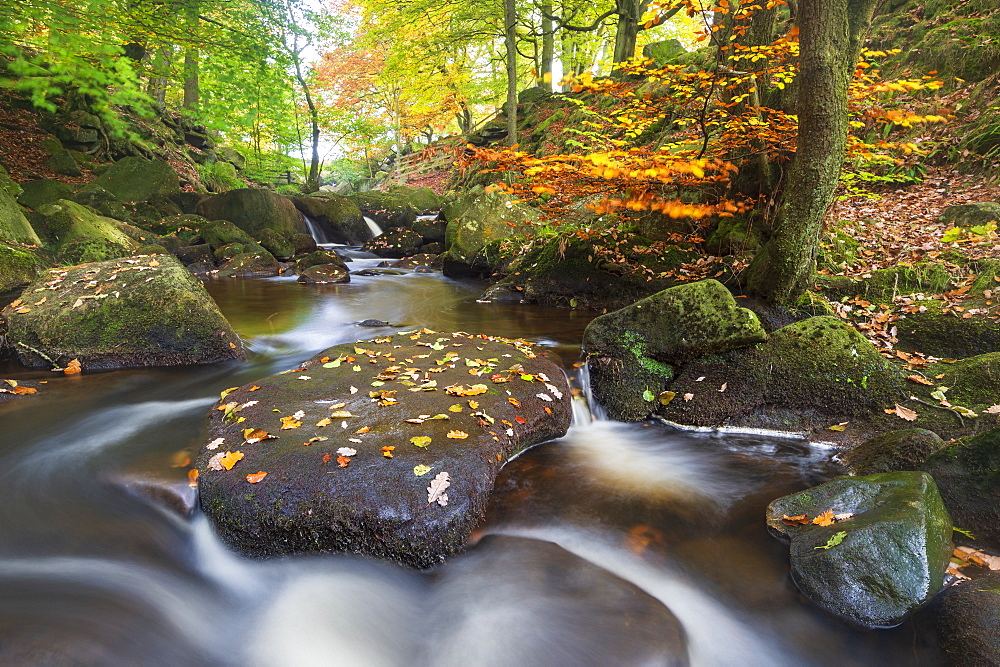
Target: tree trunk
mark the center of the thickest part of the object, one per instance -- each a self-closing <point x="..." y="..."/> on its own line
<point x="831" y="33"/>
<point x="548" y="47"/>
<point x="510" y="40"/>
<point x="158" y="76"/>
<point x="191" y="57"/>
<point x="627" y="32"/>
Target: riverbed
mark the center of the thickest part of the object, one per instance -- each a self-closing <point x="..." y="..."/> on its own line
<point x="94" y="574"/>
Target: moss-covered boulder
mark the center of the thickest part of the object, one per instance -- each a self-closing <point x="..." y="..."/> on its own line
<point x="881" y="563"/>
<point x="9" y="185"/>
<point x="947" y="334"/>
<point x="138" y="311"/>
<point x="82" y="235"/>
<point x="18" y="266"/>
<point x="251" y="264"/>
<point x="971" y="215"/>
<point x="395" y="243"/>
<point x="895" y="451"/>
<point x="14" y="227"/>
<point x="134" y="179"/>
<point x="485" y="218"/>
<point x="316" y="258"/>
<point x="386" y="209"/>
<point x="253" y="210"/>
<point x="219" y="233"/>
<point x="422" y="199"/>
<point x="282" y="246"/>
<point x="567" y="271"/>
<point x="632" y="353"/>
<point x="966" y="618"/>
<point x="319" y="274"/>
<point x="806" y="376"/>
<point x="622" y="625"/>
<point x="363" y="488"/>
<point x="338" y="218"/>
<point x="431" y="230"/>
<point x="968" y="474"/>
<point x="43" y="191"/>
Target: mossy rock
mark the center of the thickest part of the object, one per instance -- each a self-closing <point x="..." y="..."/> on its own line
<point x="316" y="258"/>
<point x="8" y="185"/>
<point x="432" y="231"/>
<point x="253" y="210"/>
<point x="395" y="243"/>
<point x="486" y="218"/>
<point x="339" y="218"/>
<point x="14" y="227"/>
<point x="254" y="264"/>
<point x="890" y="556"/>
<point x="225" y="253"/>
<point x="737" y="235"/>
<point x="279" y="245"/>
<point x="837" y="251"/>
<point x="422" y="199"/>
<point x="386" y="209"/>
<point x="633" y="352"/>
<point x="807" y="375"/>
<point x="133" y="179"/>
<point x="219" y="233"/>
<point x="667" y="52"/>
<point x="375" y="505"/>
<point x="971" y="215"/>
<point x="18" y="267"/>
<point x="894" y="451"/>
<point x="966" y="617"/>
<point x="63" y="162"/>
<point x="325" y="273"/>
<point x="84" y="236"/>
<point x="968" y="474"/>
<point x="43" y="191"/>
<point x="947" y="335"/>
<point x="130" y="321"/>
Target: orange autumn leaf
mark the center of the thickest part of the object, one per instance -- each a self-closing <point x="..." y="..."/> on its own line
<point x="193" y="477"/>
<point x="797" y="520"/>
<point x="520" y="420"/>
<point x="364" y="429"/>
<point x="458" y="435"/>
<point x="254" y="388"/>
<point x="73" y="367"/>
<point x="387" y="451"/>
<point x="342" y="461"/>
<point x="229" y="459"/>
<point x="825" y="519"/>
<point x="256" y="477"/>
<point x="21" y="390"/>
<point x="327" y="457"/>
<point x="513" y="401"/>
<point x="919" y="379"/>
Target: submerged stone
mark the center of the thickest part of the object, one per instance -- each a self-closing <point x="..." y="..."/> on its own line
<point x="346" y="471"/>
<point x="879" y="564"/>
<point x="141" y="311"/>
<point x="967" y="618"/>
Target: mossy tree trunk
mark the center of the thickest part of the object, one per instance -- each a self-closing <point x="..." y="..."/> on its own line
<point x="831" y="33"/>
<point x="510" y="40"/>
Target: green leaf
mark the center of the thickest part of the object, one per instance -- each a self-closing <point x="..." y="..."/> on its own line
<point x="967" y="533"/>
<point x="648" y="396"/>
<point x="834" y="541"/>
<point x="420" y="440"/>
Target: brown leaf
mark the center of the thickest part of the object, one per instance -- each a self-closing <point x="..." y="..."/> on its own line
<point x="797" y="520"/>
<point x="919" y="379"/>
<point x="905" y="413"/>
<point x="342" y="461"/>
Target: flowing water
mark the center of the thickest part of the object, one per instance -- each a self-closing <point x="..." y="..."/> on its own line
<point x="92" y="574"/>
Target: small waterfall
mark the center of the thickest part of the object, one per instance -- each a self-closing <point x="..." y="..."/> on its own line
<point x="373" y="226"/>
<point x="315" y="231"/>
<point x="586" y="409"/>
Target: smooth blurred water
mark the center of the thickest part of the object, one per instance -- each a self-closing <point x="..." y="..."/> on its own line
<point x="93" y="574"/>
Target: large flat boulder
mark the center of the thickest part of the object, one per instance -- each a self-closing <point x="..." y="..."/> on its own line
<point x="139" y="311"/>
<point x="479" y="221"/>
<point x="134" y="179"/>
<point x="359" y="442"/>
<point x="253" y="210"/>
<point x="80" y="234"/>
<point x="885" y="558"/>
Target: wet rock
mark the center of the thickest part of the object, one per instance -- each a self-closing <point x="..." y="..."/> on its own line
<point x="367" y="272"/>
<point x="196" y="254"/>
<point x="482" y="219"/>
<point x="502" y="293"/>
<point x="219" y="233"/>
<point x="566" y="272"/>
<point x="18" y="389"/>
<point x="254" y="210"/>
<point x="888" y="559"/>
<point x="376" y="505"/>
<point x="255" y="264"/>
<point x="545" y="596"/>
<point x="968" y="474"/>
<point x="387" y="210"/>
<point x="135" y="179"/>
<point x="806" y="376"/>
<point x="304" y="244"/>
<point x="394" y="243"/>
<point x="281" y="246"/>
<point x="339" y="218"/>
<point x="326" y="273"/>
<point x="175" y="495"/>
<point x="432" y="231"/>
<point x="373" y="323"/>
<point x="415" y="261"/>
<point x="18" y="266"/>
<point x="318" y="257"/>
<point x="967" y="617"/>
<point x="636" y="349"/>
<point x="120" y="313"/>
<point x="894" y="451"/>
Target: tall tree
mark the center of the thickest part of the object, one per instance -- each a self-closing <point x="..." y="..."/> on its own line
<point x="831" y="34"/>
<point x="510" y="42"/>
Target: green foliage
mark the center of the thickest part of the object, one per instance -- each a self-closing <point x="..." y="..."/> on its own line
<point x="220" y="176"/>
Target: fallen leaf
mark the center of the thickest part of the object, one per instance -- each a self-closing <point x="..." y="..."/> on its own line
<point x="436" y="491"/>
<point x="825" y="519"/>
<point x="904" y="413"/>
<point x="193" y="477"/>
<point x="364" y="429"/>
<point x="325" y="421"/>
<point x="520" y="420"/>
<point x="797" y="520"/>
<point x="73" y="367"/>
<point x="993" y="410"/>
<point x="387" y="451"/>
<point x="215" y="443"/>
<point x="474" y="405"/>
<point x="834" y="541"/>
<point x="838" y="427"/>
<point x="723" y="387"/>
<point x="341" y="414"/>
<point x="544" y="397"/>
<point x="327" y="458"/>
<point x="457" y="435"/>
<point x="421" y="470"/>
<point x="226" y="392"/>
<point x="513" y="401"/>
<point x="667" y="396"/>
<point x="252" y="435"/>
<point x="256" y="477"/>
<point x="920" y="379"/>
<point x="347" y="451"/>
<point x="21" y="390"/>
<point x="688" y="396"/>
<point x="304" y="377"/>
<point x="420" y="440"/>
<point x="224" y="461"/>
<point x="290" y="422"/>
<point x="342" y="461"/>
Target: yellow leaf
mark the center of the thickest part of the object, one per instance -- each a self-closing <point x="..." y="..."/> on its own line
<point x="229" y="459"/>
<point x="420" y="440"/>
<point x="458" y="435"/>
<point x="341" y="413"/>
<point x="455" y="408"/>
<point x="825" y="519"/>
<point x="326" y="421"/>
<point x="290" y="422"/>
<point x="226" y="392"/>
<point x="421" y="470"/>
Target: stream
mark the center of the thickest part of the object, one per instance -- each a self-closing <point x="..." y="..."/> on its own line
<point x="92" y="574"/>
